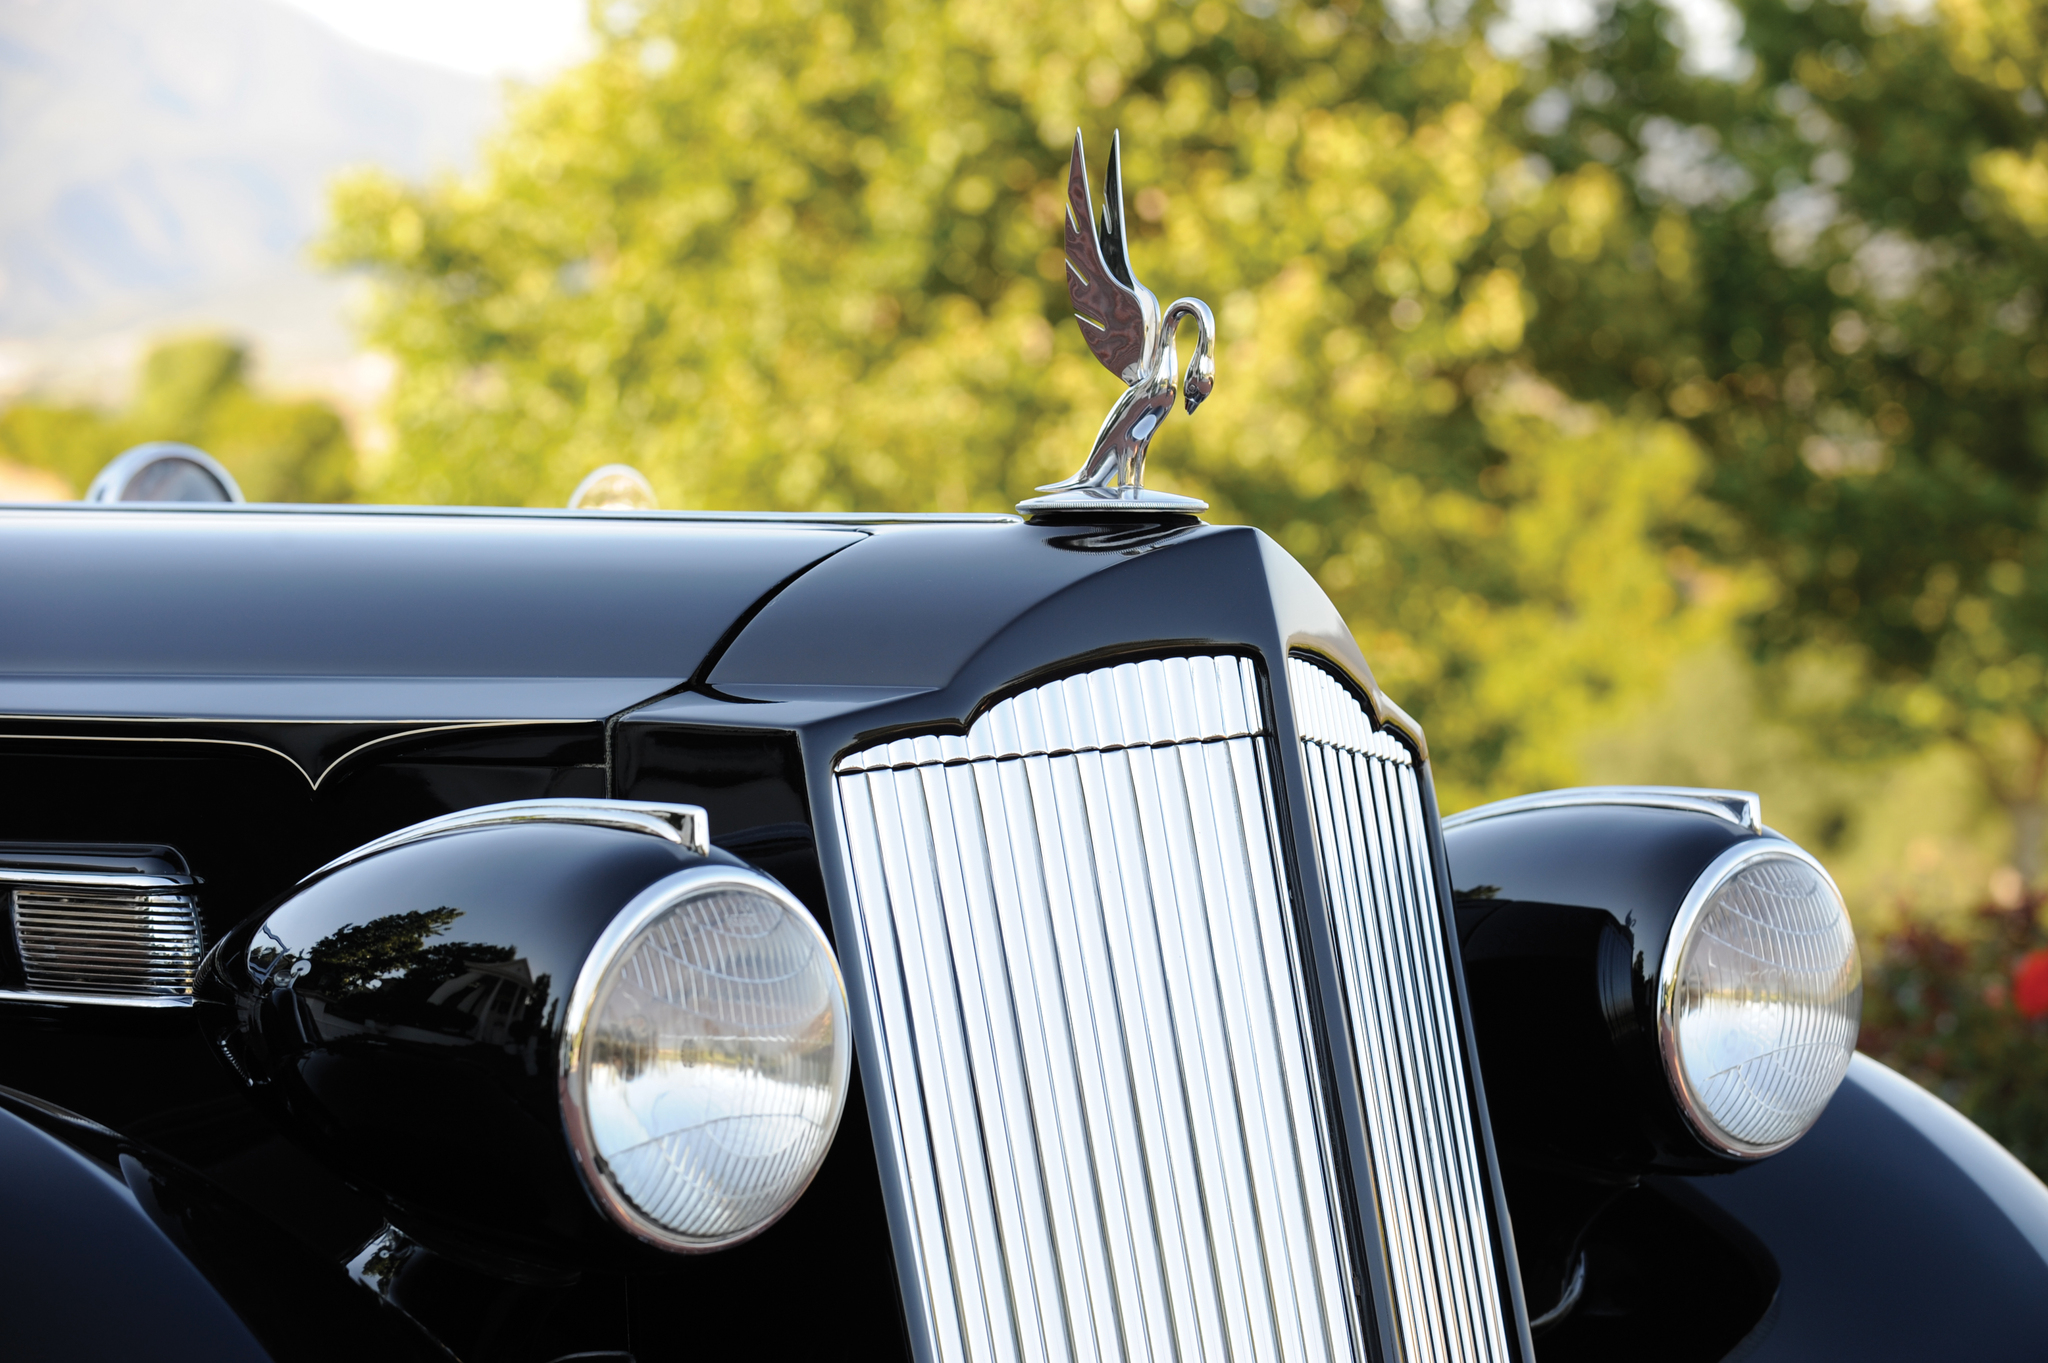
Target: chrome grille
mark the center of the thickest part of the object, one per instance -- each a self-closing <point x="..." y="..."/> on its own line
<point x="112" y="944"/>
<point x="1076" y="953"/>
<point x="1373" y="850"/>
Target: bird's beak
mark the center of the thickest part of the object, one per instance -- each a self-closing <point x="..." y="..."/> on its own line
<point x="1200" y="381"/>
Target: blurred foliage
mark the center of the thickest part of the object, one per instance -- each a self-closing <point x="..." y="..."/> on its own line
<point x="1963" y="1013"/>
<point x="807" y="256"/>
<point x="196" y="390"/>
<point x="1913" y="837"/>
<point x="1838" y="288"/>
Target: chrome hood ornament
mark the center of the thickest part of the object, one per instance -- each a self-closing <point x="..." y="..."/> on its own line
<point x="1124" y="326"/>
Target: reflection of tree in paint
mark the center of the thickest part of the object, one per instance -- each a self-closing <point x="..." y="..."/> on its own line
<point x="359" y="954"/>
<point x="389" y="969"/>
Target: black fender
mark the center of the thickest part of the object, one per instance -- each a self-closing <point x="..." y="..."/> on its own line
<point x="1893" y="1229"/>
<point x="1900" y="1230"/>
<point x="111" y="1251"/>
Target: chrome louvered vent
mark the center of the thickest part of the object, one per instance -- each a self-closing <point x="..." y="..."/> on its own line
<point x="100" y="925"/>
<point x="122" y="945"/>
<point x="1075" y="950"/>
<point x="1373" y="853"/>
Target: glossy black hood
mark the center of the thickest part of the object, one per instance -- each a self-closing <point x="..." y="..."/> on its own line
<point x="313" y="633"/>
<point x="257" y="613"/>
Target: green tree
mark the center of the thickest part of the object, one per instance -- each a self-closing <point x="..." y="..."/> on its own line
<point x="794" y="254"/>
<point x="196" y="390"/>
<point x="71" y="442"/>
<point x="1836" y="283"/>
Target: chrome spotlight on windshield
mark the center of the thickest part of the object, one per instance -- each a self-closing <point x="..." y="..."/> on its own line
<point x="615" y="487"/>
<point x="164" y="471"/>
<point x="550" y="1028"/>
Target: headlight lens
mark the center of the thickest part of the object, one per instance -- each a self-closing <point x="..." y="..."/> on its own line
<point x="705" y="1059"/>
<point x="1762" y="996"/>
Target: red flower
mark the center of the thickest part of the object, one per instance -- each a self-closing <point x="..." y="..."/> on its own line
<point x="2030" y="984"/>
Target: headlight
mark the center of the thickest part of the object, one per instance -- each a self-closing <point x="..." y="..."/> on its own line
<point x="1659" y="983"/>
<point x="1760" y="997"/>
<point x="550" y="1033"/>
<point x="705" y="1059"/>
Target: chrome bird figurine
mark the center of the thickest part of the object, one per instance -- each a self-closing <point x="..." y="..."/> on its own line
<point x="1123" y="324"/>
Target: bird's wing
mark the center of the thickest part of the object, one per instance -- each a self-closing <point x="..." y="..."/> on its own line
<point x="1107" y="297"/>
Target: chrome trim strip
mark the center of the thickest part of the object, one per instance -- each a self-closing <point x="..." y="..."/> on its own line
<point x="1574" y="1288"/>
<point x="1097" y="1072"/>
<point x="104" y="880"/>
<point x="1711" y="879"/>
<point x="825" y="520"/>
<point x="1373" y="856"/>
<point x="110" y="1000"/>
<point x="312" y="781"/>
<point x="329" y="769"/>
<point x="1743" y="808"/>
<point x="686" y="825"/>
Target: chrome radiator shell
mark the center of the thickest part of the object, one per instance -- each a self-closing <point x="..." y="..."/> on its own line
<point x="1099" y="1070"/>
<point x="1406" y="1035"/>
<point x="1125" y="1094"/>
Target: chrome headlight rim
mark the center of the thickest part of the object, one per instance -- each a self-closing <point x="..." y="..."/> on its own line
<point x="1709" y="882"/>
<point x="641" y="913"/>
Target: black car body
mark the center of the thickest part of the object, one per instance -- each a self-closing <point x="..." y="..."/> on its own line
<point x="1169" y="995"/>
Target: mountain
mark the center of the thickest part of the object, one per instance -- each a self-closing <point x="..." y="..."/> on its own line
<point x="165" y="164"/>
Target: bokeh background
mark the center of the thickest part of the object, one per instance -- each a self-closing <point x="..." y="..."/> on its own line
<point x="1661" y="390"/>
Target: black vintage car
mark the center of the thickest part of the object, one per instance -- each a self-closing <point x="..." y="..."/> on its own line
<point x="534" y="935"/>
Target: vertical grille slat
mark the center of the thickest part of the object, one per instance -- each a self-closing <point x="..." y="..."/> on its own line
<point x="1371" y="835"/>
<point x="1419" y="1085"/>
<point x="1048" y="1196"/>
<point x="1459" y="1135"/>
<point x="1361" y="892"/>
<point x="1079" y="962"/>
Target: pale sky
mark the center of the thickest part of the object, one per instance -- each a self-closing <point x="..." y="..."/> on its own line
<point x="533" y="39"/>
<point x="529" y="39"/>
